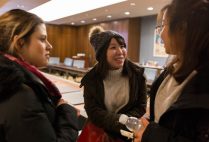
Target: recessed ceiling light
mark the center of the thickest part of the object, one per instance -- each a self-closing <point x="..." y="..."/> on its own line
<point x="115" y="22"/>
<point x="109" y="16"/>
<point x="72" y="23"/>
<point x="66" y="8"/>
<point x="20" y="6"/>
<point x="94" y="19"/>
<point x="127" y="13"/>
<point x="132" y="4"/>
<point x="150" y="8"/>
<point x="83" y="21"/>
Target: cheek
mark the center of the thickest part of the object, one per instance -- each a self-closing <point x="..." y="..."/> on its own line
<point x="125" y="53"/>
<point x="162" y="35"/>
<point x="40" y="48"/>
<point x="109" y="56"/>
<point x="165" y="37"/>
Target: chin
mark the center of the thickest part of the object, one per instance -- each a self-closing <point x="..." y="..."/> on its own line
<point x="119" y="67"/>
<point x="42" y="64"/>
<point x="167" y="51"/>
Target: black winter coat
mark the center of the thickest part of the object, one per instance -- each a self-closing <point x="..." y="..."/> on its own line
<point x="27" y="113"/>
<point x="94" y="99"/>
<point x="187" y="120"/>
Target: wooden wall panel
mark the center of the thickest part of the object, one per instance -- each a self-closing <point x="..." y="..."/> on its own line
<point x="134" y="39"/>
<point x="69" y="40"/>
<point x="83" y="45"/>
<point x="63" y="40"/>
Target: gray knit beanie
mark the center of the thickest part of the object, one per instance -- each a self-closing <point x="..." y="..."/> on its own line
<point x="100" y="39"/>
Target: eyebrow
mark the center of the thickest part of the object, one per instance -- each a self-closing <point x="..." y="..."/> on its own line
<point x="113" y="43"/>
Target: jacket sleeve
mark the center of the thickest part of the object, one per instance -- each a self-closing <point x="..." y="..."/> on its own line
<point x="155" y="133"/>
<point x="97" y="113"/>
<point x="27" y="120"/>
<point x="194" y="128"/>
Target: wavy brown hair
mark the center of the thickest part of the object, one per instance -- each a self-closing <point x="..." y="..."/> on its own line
<point x="17" y="23"/>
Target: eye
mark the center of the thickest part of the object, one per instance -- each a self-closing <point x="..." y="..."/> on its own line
<point x="43" y="39"/>
<point x="112" y="47"/>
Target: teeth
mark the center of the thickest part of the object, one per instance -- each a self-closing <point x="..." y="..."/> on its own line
<point x="119" y="59"/>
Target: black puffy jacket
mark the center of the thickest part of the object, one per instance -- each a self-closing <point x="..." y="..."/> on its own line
<point x="27" y="113"/>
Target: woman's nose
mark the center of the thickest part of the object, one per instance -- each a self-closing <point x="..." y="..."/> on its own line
<point x="49" y="46"/>
<point x="119" y="49"/>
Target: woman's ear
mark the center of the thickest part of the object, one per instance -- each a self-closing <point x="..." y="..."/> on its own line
<point x="18" y="43"/>
<point x="18" y="46"/>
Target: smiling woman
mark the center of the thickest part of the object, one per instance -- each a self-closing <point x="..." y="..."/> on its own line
<point x="31" y="106"/>
<point x="114" y="88"/>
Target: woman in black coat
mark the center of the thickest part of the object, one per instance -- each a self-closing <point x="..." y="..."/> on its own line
<point x="31" y="107"/>
<point x="115" y="88"/>
<point x="179" y="108"/>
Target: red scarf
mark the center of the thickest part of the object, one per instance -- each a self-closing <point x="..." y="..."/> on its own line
<point x="53" y="90"/>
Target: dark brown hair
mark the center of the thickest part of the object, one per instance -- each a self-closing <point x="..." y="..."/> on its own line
<point x="18" y="23"/>
<point x="188" y="24"/>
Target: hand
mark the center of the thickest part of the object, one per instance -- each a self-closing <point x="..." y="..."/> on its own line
<point x="78" y="112"/>
<point x="61" y="101"/>
<point x="138" y="134"/>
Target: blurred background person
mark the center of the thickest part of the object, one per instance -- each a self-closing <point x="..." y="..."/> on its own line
<point x="31" y="107"/>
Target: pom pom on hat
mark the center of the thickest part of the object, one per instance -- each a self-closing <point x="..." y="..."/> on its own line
<point x="95" y="30"/>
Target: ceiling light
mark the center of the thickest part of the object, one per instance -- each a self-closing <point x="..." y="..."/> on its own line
<point x="64" y="8"/>
<point x="150" y="8"/>
<point x="115" y="22"/>
<point x="132" y="4"/>
<point x="94" y="19"/>
<point x="127" y="13"/>
<point x="109" y="16"/>
<point x="72" y="23"/>
<point x="20" y="6"/>
<point x="83" y="21"/>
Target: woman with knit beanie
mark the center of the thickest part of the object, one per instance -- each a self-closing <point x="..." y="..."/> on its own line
<point x="114" y="88"/>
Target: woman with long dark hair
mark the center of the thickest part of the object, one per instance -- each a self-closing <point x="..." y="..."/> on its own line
<point x="179" y="108"/>
<point x="114" y="88"/>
